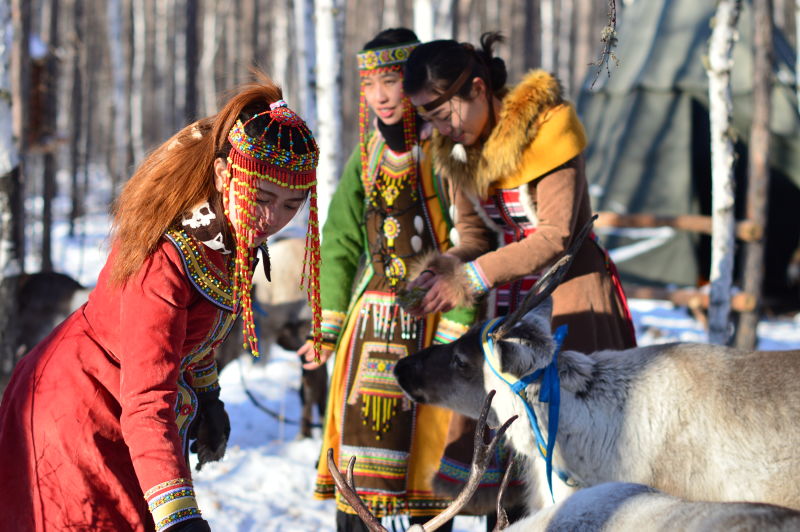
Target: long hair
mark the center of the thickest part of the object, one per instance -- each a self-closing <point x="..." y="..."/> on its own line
<point x="177" y="176"/>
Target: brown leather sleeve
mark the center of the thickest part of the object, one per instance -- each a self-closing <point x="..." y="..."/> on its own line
<point x="474" y="237"/>
<point x="559" y="198"/>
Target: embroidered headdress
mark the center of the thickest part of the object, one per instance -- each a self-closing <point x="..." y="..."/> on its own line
<point x="282" y="151"/>
<point x="385" y="59"/>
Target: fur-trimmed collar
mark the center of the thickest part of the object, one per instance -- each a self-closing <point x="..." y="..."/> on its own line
<point x="501" y="154"/>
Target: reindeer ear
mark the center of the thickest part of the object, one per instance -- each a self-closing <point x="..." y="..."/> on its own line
<point x="536" y="322"/>
<point x="528" y="344"/>
<point x="516" y="357"/>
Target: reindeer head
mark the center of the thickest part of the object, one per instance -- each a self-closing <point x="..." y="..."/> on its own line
<point x="457" y="376"/>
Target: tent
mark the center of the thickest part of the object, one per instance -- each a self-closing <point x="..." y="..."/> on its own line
<point x="649" y="143"/>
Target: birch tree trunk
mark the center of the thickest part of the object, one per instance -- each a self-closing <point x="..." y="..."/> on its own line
<point x="424" y="19"/>
<point x="9" y="164"/>
<point x="720" y="64"/>
<point x="137" y="76"/>
<point x="329" y="34"/>
<point x="547" y="16"/>
<point x="758" y="168"/>
<point x="281" y="44"/>
<point x="306" y="53"/>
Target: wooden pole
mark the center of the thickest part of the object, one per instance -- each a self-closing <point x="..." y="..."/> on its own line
<point x="758" y="168"/>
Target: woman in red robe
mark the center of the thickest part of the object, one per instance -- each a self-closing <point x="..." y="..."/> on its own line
<point x="96" y="421"/>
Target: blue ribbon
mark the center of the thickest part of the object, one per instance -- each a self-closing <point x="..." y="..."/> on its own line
<point x="549" y="392"/>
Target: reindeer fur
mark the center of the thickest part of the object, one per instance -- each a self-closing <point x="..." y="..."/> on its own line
<point x="625" y="507"/>
<point x="697" y="421"/>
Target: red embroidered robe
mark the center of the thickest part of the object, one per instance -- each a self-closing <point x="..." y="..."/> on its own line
<point x="93" y="423"/>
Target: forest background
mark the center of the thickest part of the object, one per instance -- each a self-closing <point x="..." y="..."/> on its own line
<point x="95" y="84"/>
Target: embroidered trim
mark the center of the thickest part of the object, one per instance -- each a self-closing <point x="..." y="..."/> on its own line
<point x="379" y="58"/>
<point x="205" y="379"/>
<point x="173" y="505"/>
<point x="332" y="321"/>
<point x="448" y="331"/>
<point x="476" y="277"/>
<point x="209" y="280"/>
<point x="165" y="485"/>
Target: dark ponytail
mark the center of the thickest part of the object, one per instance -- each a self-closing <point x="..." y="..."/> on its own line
<point x="436" y="65"/>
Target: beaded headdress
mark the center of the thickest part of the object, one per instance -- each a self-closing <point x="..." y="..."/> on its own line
<point x="286" y="154"/>
<point x="386" y="59"/>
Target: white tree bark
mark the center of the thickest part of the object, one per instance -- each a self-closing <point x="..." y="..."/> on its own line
<point x="306" y="54"/>
<point x="330" y="36"/>
<point x="423" y="19"/>
<point x="720" y="64"/>
<point x="9" y="159"/>
<point x="548" y="17"/>
<point x="8" y="152"/>
<point x="281" y="43"/>
<point x="137" y="76"/>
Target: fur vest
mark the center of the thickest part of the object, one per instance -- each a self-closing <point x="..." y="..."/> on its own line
<point x="536" y="132"/>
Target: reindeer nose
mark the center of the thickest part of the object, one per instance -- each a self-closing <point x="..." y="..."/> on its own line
<point x="408" y="373"/>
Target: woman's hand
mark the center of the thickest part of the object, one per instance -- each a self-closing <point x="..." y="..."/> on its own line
<point x="307" y="352"/>
<point x="440" y="297"/>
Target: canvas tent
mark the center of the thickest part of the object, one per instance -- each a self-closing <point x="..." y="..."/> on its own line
<point x="649" y="147"/>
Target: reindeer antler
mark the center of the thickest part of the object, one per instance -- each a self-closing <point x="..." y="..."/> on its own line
<point x="502" y="516"/>
<point x="481" y="456"/>
<point x="546" y="283"/>
<point x="348" y="490"/>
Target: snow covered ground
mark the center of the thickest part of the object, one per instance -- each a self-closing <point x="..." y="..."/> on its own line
<point x="265" y="481"/>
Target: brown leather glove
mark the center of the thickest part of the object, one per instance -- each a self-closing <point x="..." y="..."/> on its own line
<point x="210" y="429"/>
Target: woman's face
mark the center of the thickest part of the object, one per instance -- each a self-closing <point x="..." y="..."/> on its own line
<point x="462" y="119"/>
<point x="384" y="94"/>
<point x="275" y="205"/>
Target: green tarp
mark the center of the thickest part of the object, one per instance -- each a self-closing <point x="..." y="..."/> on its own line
<point x="649" y="148"/>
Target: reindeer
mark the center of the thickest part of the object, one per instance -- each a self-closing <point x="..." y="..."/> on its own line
<point x="612" y="506"/>
<point x="627" y="507"/>
<point x="697" y="421"/>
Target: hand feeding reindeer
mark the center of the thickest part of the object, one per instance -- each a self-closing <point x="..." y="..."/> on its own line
<point x="701" y="422"/>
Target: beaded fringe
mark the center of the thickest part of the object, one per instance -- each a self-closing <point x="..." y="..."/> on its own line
<point x="245" y="172"/>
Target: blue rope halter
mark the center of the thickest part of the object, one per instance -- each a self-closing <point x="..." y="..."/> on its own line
<point x="549" y="392"/>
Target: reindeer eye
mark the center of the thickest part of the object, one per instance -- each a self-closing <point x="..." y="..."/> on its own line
<point x="460" y="363"/>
